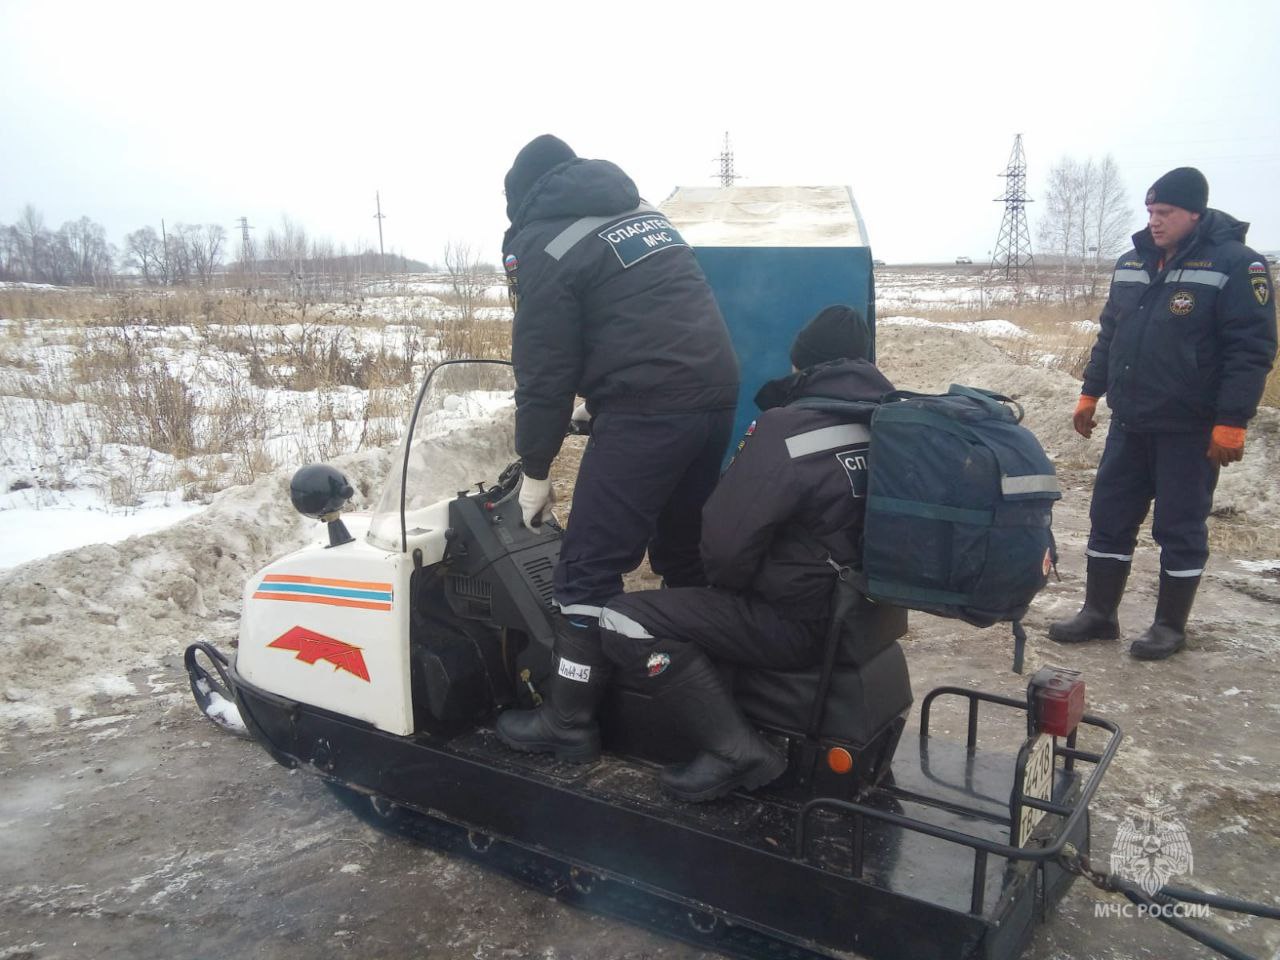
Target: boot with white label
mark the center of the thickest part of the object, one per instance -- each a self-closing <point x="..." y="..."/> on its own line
<point x="1168" y="634"/>
<point x="565" y="723"/>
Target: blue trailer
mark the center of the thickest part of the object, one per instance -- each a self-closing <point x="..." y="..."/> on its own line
<point x="775" y="256"/>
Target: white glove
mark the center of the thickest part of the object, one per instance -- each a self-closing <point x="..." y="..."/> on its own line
<point x="580" y="422"/>
<point x="535" y="498"/>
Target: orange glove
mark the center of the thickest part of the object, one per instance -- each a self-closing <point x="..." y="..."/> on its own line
<point x="1226" y="445"/>
<point x="1082" y="419"/>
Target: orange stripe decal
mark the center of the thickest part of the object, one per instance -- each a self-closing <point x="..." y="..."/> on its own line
<point x="324" y="581"/>
<point x="331" y="601"/>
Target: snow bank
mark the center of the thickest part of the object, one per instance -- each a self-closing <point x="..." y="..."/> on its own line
<point x="72" y="625"/>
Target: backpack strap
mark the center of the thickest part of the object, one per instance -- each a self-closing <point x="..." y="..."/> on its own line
<point x="1019" y="645"/>
<point x="859" y="410"/>
<point x="997" y="404"/>
<point x="988" y="398"/>
<point x="844" y="598"/>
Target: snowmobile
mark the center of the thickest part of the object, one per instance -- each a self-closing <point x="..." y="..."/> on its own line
<point x="377" y="659"/>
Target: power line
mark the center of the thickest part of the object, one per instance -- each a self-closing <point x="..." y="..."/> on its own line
<point x="382" y="256"/>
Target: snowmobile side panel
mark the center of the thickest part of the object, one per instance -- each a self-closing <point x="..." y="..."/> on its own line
<point x="329" y="627"/>
<point x="731" y="860"/>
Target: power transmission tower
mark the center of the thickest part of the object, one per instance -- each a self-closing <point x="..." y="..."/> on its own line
<point x="1012" y="259"/>
<point x="247" y="257"/>
<point x="382" y="257"/>
<point x="246" y="244"/>
<point x="727" y="176"/>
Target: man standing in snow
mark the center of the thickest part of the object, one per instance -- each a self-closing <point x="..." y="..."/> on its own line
<point x="611" y="305"/>
<point x="1188" y="337"/>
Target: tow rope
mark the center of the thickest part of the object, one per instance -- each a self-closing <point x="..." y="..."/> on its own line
<point x="1169" y="895"/>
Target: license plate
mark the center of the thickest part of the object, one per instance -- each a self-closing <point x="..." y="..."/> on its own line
<point x="1037" y="782"/>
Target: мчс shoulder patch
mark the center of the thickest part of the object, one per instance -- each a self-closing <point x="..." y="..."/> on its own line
<point x="639" y="236"/>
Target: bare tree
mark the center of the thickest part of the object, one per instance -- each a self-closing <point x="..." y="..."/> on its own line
<point x="87" y="257"/>
<point x="10" y="263"/>
<point x="1086" y="218"/>
<point x="33" y="243"/>
<point x="467" y="276"/>
<point x="1059" y="226"/>
<point x="144" y="252"/>
<point x="286" y="248"/>
<point x="204" y="245"/>
<point x="1113" y="218"/>
<point x="177" y="255"/>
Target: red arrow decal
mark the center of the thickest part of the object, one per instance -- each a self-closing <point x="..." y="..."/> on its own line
<point x="312" y="646"/>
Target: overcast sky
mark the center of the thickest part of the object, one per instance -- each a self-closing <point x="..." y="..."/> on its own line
<point x="129" y="112"/>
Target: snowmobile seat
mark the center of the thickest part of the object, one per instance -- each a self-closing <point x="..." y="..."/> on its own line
<point x="870" y="685"/>
<point x="865" y="710"/>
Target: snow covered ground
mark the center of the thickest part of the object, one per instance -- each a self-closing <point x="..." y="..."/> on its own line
<point x="39" y="523"/>
<point x="133" y="827"/>
<point x="122" y="421"/>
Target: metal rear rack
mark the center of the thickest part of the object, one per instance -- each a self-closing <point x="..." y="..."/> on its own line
<point x="1047" y="849"/>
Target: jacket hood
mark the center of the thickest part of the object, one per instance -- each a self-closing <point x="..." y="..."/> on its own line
<point x="577" y="188"/>
<point x="1214" y="227"/>
<point x="857" y="380"/>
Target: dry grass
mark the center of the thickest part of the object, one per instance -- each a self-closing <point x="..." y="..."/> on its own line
<point x="182" y="374"/>
<point x="165" y="307"/>
<point x="460" y="339"/>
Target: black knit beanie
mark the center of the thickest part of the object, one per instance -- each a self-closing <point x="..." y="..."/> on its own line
<point x="536" y="157"/>
<point x="837" y="333"/>
<point x="1183" y="187"/>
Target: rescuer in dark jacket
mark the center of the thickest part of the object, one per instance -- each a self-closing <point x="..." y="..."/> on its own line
<point x="1188" y="337"/>
<point x="791" y="502"/>
<point x="610" y="304"/>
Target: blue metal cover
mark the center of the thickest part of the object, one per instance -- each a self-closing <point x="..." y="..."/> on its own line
<point x="774" y="257"/>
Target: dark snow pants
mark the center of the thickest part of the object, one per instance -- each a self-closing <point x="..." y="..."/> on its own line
<point x="1170" y="468"/>
<point x="638" y="629"/>
<point x="641" y="486"/>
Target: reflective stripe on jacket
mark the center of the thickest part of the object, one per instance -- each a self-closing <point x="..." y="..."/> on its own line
<point x="1190" y="345"/>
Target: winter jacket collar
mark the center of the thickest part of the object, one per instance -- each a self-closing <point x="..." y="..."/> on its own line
<point x="836" y="380"/>
<point x="1215" y="227"/>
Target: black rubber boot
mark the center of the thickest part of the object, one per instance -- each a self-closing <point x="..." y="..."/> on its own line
<point x="1168" y="634"/>
<point x="565" y="723"/>
<point x="1097" y="619"/>
<point x="733" y="754"/>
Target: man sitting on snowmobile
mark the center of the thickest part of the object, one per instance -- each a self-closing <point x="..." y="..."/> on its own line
<point x="791" y="499"/>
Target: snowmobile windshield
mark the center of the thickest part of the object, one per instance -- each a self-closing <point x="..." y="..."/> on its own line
<point x="461" y="433"/>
